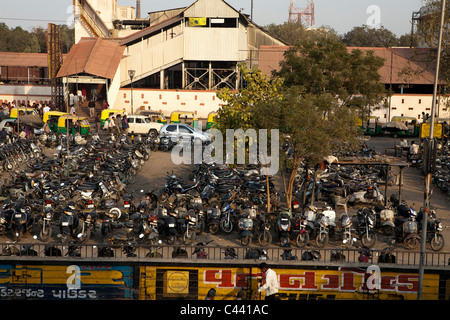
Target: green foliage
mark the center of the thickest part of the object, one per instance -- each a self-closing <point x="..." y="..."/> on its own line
<point x="237" y="113"/>
<point x="20" y="40"/>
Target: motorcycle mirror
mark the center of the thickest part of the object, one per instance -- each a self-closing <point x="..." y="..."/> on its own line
<point x="141" y="235"/>
<point x="35" y="237"/>
<point x="159" y="241"/>
<point x="79" y="235"/>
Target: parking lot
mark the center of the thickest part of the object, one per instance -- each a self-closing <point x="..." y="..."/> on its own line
<point x="154" y="172"/>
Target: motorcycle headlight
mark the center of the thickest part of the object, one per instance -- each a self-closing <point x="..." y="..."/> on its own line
<point x="48" y="215"/>
<point x="2" y="220"/>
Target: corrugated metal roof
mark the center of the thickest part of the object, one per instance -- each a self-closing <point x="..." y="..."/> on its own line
<point x="401" y="65"/>
<point x="96" y="56"/>
<point x="18" y="59"/>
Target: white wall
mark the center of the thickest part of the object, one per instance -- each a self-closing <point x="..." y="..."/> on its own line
<point x="412" y="105"/>
<point x="31" y="93"/>
<point x="202" y="102"/>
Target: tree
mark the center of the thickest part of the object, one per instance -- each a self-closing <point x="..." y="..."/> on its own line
<point x="428" y="35"/>
<point x="365" y="36"/>
<point x="313" y="125"/>
<point x="326" y="86"/>
<point x="326" y="66"/>
<point x="293" y="32"/>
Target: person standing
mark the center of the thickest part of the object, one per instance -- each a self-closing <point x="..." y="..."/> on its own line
<point x="91" y="108"/>
<point x="271" y="282"/>
<point x="125" y="124"/>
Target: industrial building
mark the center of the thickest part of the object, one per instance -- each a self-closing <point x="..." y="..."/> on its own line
<point x="174" y="60"/>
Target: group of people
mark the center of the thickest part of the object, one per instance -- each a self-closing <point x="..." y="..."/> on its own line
<point x="117" y="124"/>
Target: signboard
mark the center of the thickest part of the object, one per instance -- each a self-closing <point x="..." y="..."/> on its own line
<point x="425" y="130"/>
<point x="90" y="282"/>
<point x="295" y="284"/>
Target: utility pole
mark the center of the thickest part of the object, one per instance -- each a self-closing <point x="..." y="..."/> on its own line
<point x="430" y="147"/>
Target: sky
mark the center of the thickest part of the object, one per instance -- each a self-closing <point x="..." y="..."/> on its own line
<point x="341" y="15"/>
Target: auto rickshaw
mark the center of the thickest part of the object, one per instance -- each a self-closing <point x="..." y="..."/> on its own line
<point x="412" y="125"/>
<point x="175" y="117"/>
<point x="107" y="112"/>
<point x="52" y="118"/>
<point x="372" y="127"/>
<point x="75" y="123"/>
<point x="14" y="111"/>
<point x="211" y="120"/>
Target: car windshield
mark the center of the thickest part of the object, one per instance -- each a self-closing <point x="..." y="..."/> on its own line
<point x="147" y="120"/>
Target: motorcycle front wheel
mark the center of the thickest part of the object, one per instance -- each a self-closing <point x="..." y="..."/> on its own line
<point x="213" y="228"/>
<point x="264" y="239"/>
<point x="322" y="239"/>
<point x="45" y="235"/>
<point x="368" y="239"/>
<point x="189" y="236"/>
<point x="302" y="239"/>
<point x="411" y="242"/>
<point x="226" y="225"/>
<point x="246" y="240"/>
<point x="437" y="242"/>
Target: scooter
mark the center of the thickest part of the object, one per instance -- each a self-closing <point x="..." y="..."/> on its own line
<point x="246" y="229"/>
<point x="69" y="224"/>
<point x="213" y="223"/>
<point x="284" y="227"/>
<point x="22" y="220"/>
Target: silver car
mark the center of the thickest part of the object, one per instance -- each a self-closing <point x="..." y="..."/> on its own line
<point x="177" y="131"/>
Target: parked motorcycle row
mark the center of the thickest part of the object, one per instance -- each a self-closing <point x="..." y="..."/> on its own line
<point x="71" y="193"/>
<point x="356" y="187"/>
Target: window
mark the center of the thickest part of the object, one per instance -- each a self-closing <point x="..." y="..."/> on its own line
<point x="184" y="129"/>
<point x="139" y="120"/>
<point x="146" y="120"/>
<point x="130" y="120"/>
<point x="171" y="128"/>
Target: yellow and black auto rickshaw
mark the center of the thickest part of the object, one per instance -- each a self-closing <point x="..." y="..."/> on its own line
<point x="51" y="117"/>
<point x="75" y="124"/>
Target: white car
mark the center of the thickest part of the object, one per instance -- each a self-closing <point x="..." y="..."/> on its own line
<point x="140" y="124"/>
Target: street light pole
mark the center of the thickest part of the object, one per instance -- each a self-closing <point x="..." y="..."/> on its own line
<point x="131" y="73"/>
<point x="429" y="152"/>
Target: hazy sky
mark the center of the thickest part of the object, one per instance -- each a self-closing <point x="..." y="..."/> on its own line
<point x="341" y="15"/>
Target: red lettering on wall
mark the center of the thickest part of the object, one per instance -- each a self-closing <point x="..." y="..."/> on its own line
<point x="407" y="283"/>
<point x="304" y="281"/>
<point x="388" y="283"/>
<point x="333" y="281"/>
<point x="223" y="278"/>
<point x="348" y="280"/>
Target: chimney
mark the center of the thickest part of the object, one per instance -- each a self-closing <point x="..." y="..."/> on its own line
<point x="138" y="9"/>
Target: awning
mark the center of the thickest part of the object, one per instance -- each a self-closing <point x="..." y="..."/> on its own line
<point x="94" y="56"/>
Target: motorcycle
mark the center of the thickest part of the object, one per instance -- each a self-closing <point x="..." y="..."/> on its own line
<point x="69" y="224"/>
<point x="245" y="227"/>
<point x="366" y="223"/>
<point x="407" y="231"/>
<point x="305" y="226"/>
<point x="434" y="229"/>
<point x="190" y="227"/>
<point x="46" y="222"/>
<point x="133" y="230"/>
<point x="88" y="225"/>
<point x="284" y="227"/>
<point x="346" y="230"/>
<point x="322" y="231"/>
<point x="213" y="215"/>
<point x="22" y="221"/>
